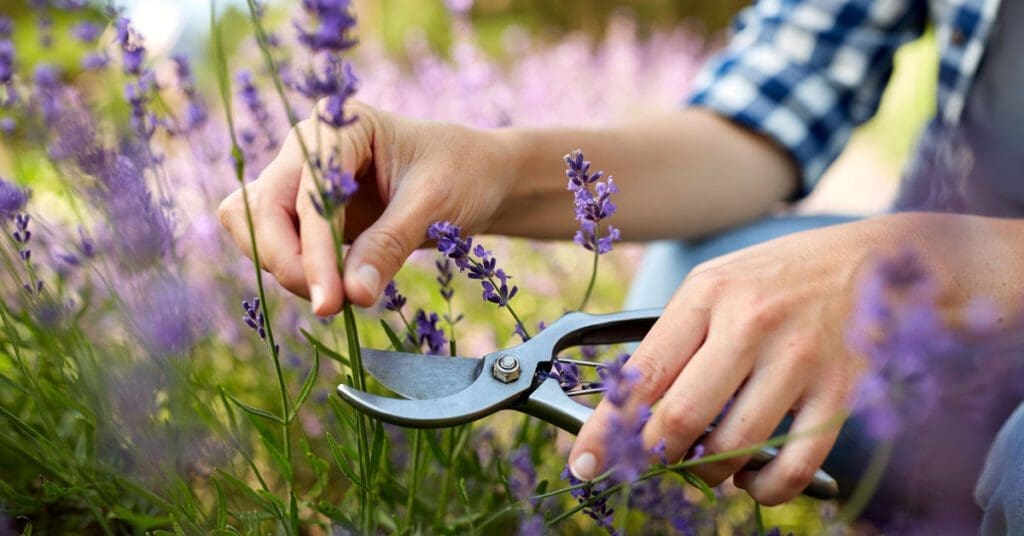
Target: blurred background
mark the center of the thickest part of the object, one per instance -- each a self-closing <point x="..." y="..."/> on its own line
<point x="862" y="181"/>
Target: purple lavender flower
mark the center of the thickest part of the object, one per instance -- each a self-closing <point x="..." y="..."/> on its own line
<point x="567" y="374"/>
<point x="6" y="61"/>
<point x="254" y="317"/>
<point x="47" y="80"/>
<point x="427" y="332"/>
<point x="393" y="300"/>
<point x="338" y="188"/>
<point x="593" y="204"/>
<point x="196" y="112"/>
<point x="598" y="509"/>
<point x="7" y="126"/>
<point x="625" y="446"/>
<point x="255" y="105"/>
<point x="12" y="198"/>
<point x="95" y="61"/>
<point x="86" y="31"/>
<point x="333" y="112"/>
<point x="522" y="478"/>
<point x="896" y="324"/>
<point x="169" y="321"/>
<point x="22" y="236"/>
<point x="532" y="526"/>
<point x="137" y="95"/>
<point x="6" y="27"/>
<point x="133" y="53"/>
<point x="444" y="279"/>
<point x="334" y="23"/>
<point x="617" y="380"/>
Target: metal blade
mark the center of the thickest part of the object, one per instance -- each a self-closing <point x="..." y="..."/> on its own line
<point x="420" y="376"/>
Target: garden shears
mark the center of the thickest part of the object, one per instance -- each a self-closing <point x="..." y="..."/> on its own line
<point x="442" y="391"/>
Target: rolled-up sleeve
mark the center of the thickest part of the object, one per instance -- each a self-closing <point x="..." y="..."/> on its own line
<point x="805" y="73"/>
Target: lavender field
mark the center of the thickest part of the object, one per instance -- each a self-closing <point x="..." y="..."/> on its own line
<point x="154" y="381"/>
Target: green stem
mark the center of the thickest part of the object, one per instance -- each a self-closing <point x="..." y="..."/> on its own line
<point x="590" y="285"/>
<point x="446" y="484"/>
<point x="414" y="484"/>
<point x="867" y="485"/>
<point x="239" y="165"/>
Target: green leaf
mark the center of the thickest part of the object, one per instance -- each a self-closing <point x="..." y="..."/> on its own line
<point x="28" y="530"/>
<point x="435" y="446"/>
<point x="280" y="460"/>
<point x="222" y="505"/>
<point x="296" y="527"/>
<point x="393" y="337"/>
<point x="323" y="348"/>
<point x="376" y="449"/>
<point x="335" y="514"/>
<point x="307" y="386"/>
<point x="342" y="461"/>
<point x="254" y="411"/>
<point x="245" y="490"/>
<point x="698" y="483"/>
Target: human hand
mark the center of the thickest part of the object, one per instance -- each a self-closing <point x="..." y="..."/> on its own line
<point x="410" y="174"/>
<point x="765" y="325"/>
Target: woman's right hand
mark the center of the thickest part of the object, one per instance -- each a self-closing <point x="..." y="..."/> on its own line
<point x="410" y="174"/>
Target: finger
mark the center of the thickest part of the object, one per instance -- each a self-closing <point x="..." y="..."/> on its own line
<point x="698" y="395"/>
<point x="656" y="362"/>
<point x="813" y="433"/>
<point x="760" y="406"/>
<point x="274" y="229"/>
<point x="380" y="250"/>
<point x="319" y="259"/>
<point x="272" y="207"/>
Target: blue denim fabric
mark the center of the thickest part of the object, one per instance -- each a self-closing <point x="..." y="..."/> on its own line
<point x="1000" y="490"/>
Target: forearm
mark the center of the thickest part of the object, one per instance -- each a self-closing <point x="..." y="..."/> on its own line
<point x="682" y="174"/>
<point x="971" y="257"/>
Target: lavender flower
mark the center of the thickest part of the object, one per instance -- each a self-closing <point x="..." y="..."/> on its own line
<point x="133" y="53"/>
<point x="12" y="198"/>
<point x="597" y="509"/>
<point x="6" y="61"/>
<point x="444" y="279"/>
<point x="22" y="236"/>
<point x="393" y="300"/>
<point x="522" y="479"/>
<point x="95" y="61"/>
<point x="137" y="95"/>
<point x="334" y="23"/>
<point x="567" y="374"/>
<point x="427" y="332"/>
<point x="86" y="31"/>
<point x="617" y="380"/>
<point x="254" y="317"/>
<point x="196" y="112"/>
<point x="7" y="126"/>
<point x="919" y="363"/>
<point x="592" y="199"/>
<point x="482" y="268"/>
<point x="169" y="321"/>
<point x="333" y="112"/>
<point x="255" y="105"/>
<point x="6" y="27"/>
<point x="337" y="189"/>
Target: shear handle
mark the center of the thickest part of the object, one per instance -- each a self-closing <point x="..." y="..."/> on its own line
<point x="576" y="329"/>
<point x="550" y="403"/>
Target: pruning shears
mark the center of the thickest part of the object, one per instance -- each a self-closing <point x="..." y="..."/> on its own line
<point x="442" y="391"/>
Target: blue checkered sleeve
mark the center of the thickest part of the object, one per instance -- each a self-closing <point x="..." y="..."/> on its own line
<point x="806" y="72"/>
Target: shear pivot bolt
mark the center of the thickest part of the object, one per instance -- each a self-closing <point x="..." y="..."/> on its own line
<point x="506" y="368"/>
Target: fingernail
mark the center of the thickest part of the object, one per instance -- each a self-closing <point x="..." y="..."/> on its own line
<point x="316" y="297"/>
<point x="370" y="278"/>
<point x="584" y="466"/>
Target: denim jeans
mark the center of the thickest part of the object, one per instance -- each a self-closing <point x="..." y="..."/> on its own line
<point x="1000" y="489"/>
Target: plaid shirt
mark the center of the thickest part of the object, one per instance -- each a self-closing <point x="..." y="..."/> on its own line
<point x="806" y="72"/>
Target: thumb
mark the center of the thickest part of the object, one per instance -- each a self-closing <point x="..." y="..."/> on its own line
<point x="380" y="250"/>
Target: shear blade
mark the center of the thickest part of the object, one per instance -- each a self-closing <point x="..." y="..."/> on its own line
<point x="419" y="376"/>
